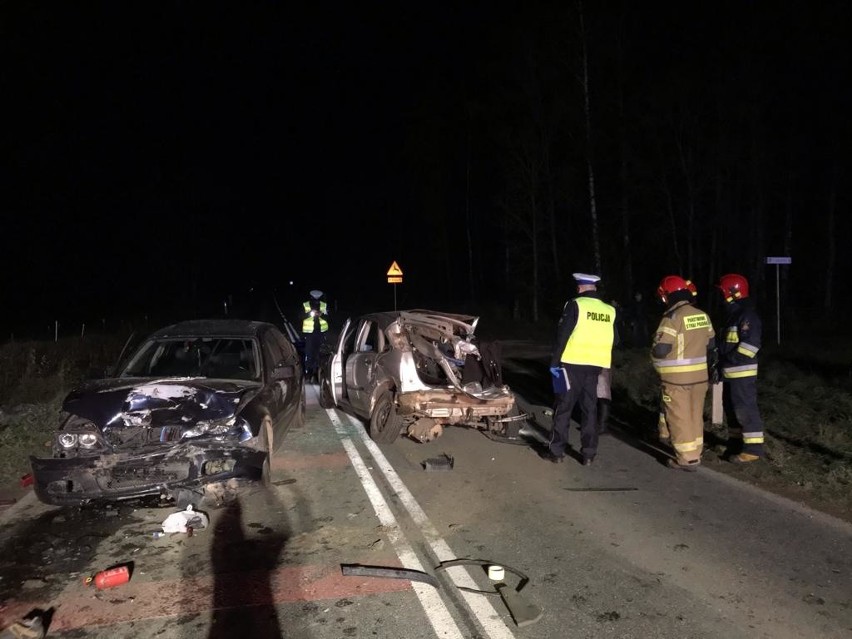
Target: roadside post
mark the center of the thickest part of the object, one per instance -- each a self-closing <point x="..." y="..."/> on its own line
<point x="394" y="277"/>
<point x="778" y="261"/>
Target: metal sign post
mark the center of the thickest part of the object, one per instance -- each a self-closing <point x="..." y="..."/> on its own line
<point x="778" y="261"/>
<point x="394" y="277"/>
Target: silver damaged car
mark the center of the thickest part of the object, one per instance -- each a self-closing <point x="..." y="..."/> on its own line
<point x="414" y="372"/>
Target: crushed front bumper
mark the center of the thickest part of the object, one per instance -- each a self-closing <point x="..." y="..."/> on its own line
<point x="116" y="476"/>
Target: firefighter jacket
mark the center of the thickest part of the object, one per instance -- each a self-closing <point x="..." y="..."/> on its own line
<point x="586" y="332"/>
<point x="740" y="341"/>
<point x="681" y="344"/>
<point x="315" y="310"/>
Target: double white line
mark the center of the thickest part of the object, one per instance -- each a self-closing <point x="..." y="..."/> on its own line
<point x="436" y="610"/>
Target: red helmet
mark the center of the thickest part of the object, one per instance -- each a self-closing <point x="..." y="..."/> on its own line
<point x="673" y="283"/>
<point x="733" y="287"/>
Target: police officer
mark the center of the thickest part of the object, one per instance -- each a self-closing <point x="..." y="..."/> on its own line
<point x="584" y="340"/>
<point x="683" y="353"/>
<point x="314" y="328"/>
<point x="739" y="344"/>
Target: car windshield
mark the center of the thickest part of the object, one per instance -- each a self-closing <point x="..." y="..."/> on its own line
<point x="215" y="357"/>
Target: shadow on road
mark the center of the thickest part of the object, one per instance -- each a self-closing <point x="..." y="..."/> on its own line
<point x="243" y="592"/>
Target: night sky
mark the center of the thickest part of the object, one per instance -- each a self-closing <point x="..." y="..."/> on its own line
<point x="160" y="158"/>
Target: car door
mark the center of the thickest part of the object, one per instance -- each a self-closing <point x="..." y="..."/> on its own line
<point x="285" y="380"/>
<point x="345" y="346"/>
<point x="361" y="366"/>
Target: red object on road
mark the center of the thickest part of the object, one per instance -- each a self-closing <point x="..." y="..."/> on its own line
<point x="27" y="480"/>
<point x="110" y="578"/>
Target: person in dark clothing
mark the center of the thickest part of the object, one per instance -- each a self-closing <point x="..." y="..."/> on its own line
<point x="314" y="328"/>
<point x="739" y="343"/>
<point x="584" y="341"/>
<point x="638" y="320"/>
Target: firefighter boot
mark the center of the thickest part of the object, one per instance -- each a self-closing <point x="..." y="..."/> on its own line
<point x="603" y="415"/>
<point x="743" y="458"/>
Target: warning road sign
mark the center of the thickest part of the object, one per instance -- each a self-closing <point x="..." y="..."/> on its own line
<point x="394" y="274"/>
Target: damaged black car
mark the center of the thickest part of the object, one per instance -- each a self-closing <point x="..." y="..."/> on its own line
<point x="198" y="405"/>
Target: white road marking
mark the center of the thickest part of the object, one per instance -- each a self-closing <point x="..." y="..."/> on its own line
<point x="481" y="607"/>
<point x="436" y="610"/>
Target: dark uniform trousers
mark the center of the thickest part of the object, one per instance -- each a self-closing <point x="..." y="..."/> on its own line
<point x="583" y="382"/>
<point x="739" y="398"/>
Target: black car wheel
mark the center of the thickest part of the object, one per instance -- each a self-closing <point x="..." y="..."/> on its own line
<point x="266" y="443"/>
<point x="385" y="422"/>
<point x="325" y="398"/>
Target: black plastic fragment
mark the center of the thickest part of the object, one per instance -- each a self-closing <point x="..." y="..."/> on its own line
<point x="359" y="570"/>
<point x="442" y="463"/>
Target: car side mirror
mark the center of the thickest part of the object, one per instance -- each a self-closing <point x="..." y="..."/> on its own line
<point x="283" y="371"/>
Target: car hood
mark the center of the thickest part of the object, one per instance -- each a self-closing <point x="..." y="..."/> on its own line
<point x="151" y="402"/>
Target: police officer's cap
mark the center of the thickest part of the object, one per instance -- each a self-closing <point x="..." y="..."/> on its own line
<point x="316" y="294"/>
<point x="586" y="278"/>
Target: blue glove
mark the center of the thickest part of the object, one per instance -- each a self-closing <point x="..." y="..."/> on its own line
<point x="556" y="371"/>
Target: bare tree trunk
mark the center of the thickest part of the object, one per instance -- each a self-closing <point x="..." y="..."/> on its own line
<point x="685" y="158"/>
<point x="588" y="121"/>
<point x="788" y="234"/>
<point x="667" y="192"/>
<point x="534" y="232"/>
<point x="831" y="256"/>
<point x="551" y="217"/>
<point x="469" y="225"/>
<point x="627" y="252"/>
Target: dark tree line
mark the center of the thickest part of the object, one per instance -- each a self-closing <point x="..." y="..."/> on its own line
<point x="639" y="141"/>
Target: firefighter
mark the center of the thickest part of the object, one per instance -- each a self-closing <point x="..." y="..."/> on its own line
<point x="683" y="353"/>
<point x="314" y="328"/>
<point x="584" y="340"/>
<point x="738" y="347"/>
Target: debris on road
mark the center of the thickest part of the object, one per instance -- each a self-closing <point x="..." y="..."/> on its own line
<point x="7" y="502"/>
<point x="185" y="521"/>
<point x="443" y="462"/>
<point x="523" y="611"/>
<point x="601" y="489"/>
<point x="27" y="480"/>
<point x="110" y="578"/>
<point x="30" y="627"/>
<point x="496" y="573"/>
<point x="359" y="570"/>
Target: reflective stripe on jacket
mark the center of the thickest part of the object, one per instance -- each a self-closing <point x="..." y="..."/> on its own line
<point x="590" y="343"/>
<point x="688" y="331"/>
<point x="738" y="350"/>
<point x="308" y="322"/>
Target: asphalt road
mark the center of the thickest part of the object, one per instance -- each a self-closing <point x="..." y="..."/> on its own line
<point x="626" y="548"/>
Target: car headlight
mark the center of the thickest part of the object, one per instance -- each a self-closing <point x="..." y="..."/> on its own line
<point x="211" y="427"/>
<point x="68" y="440"/>
<point x="87" y="440"/>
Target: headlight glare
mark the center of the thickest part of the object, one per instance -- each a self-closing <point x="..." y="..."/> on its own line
<point x="68" y="440"/>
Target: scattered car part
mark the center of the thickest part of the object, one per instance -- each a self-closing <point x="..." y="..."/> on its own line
<point x="443" y="462"/>
<point x="523" y="612"/>
<point x="359" y="570"/>
<point x="452" y="563"/>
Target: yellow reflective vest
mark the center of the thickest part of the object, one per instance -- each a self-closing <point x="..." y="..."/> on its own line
<point x="308" y="322"/>
<point x="590" y="343"/>
<point x="688" y="331"/>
